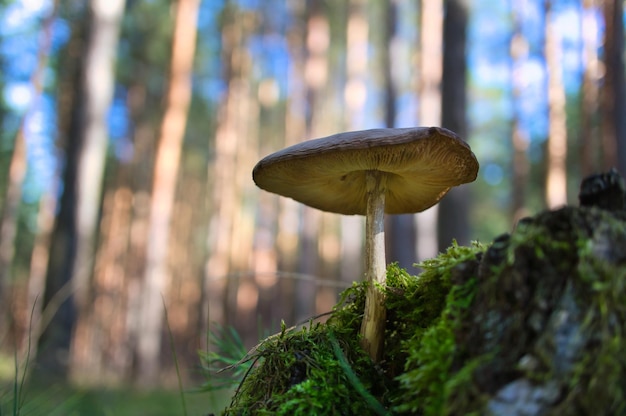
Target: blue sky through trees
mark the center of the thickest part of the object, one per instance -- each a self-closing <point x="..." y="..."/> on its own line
<point x="489" y="63"/>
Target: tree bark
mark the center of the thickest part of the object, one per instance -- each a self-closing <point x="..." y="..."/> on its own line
<point x="222" y="199"/>
<point x="228" y="285"/>
<point x="351" y="261"/>
<point x="101" y="341"/>
<point x="453" y="223"/>
<point x="164" y="186"/>
<point x="106" y="16"/>
<point x="17" y="172"/>
<point x="519" y="137"/>
<point x="613" y="94"/>
<point x="400" y="233"/>
<point x="317" y="70"/>
<point x="556" y="155"/>
<point x="288" y="221"/>
<point x="589" y="151"/>
<point x="59" y="310"/>
<point x="98" y="86"/>
<point x="429" y="102"/>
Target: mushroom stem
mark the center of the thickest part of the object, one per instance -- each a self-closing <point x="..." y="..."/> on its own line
<point x="373" y="325"/>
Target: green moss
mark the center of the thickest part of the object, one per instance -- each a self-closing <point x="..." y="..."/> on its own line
<point x="539" y="315"/>
<point x="427" y="378"/>
<point x="303" y="371"/>
<point x="323" y="366"/>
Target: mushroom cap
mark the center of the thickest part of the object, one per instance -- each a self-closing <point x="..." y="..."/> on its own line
<point x="422" y="164"/>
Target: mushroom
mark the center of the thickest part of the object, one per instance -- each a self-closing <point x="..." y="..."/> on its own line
<point x="371" y="172"/>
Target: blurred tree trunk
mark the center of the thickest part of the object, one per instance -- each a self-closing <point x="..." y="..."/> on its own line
<point x="389" y="22"/>
<point x="136" y="174"/>
<point x="316" y="77"/>
<point x="59" y="310"/>
<point x="227" y="278"/>
<point x="186" y="257"/>
<point x="266" y="138"/>
<point x="400" y="229"/>
<point x="352" y="261"/>
<point x="221" y="199"/>
<point x="106" y="336"/>
<point x="99" y="79"/>
<point x="429" y="113"/>
<point x="357" y="55"/>
<point x="329" y="116"/>
<point x="519" y="136"/>
<point x="8" y="229"/>
<point x="39" y="265"/>
<point x="613" y="94"/>
<point x="115" y="323"/>
<point x="17" y="172"/>
<point x="556" y="155"/>
<point x="100" y="345"/>
<point x="245" y="289"/>
<point x="589" y="151"/>
<point x="163" y="190"/>
<point x="296" y="114"/>
<point x="453" y="221"/>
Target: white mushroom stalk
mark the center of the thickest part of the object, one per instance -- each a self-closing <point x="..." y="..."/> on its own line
<point x="373" y="325"/>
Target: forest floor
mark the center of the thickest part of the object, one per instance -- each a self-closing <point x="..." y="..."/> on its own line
<point x="65" y="400"/>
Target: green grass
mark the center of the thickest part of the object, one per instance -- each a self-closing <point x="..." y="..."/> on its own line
<point x="64" y="400"/>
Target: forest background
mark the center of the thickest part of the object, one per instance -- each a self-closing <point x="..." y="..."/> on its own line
<point x="130" y="129"/>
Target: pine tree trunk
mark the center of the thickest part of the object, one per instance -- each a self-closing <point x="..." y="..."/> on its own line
<point x="8" y="229"/>
<point x="288" y="221"/>
<point x="556" y="156"/>
<point x="454" y="222"/>
<point x="589" y="150"/>
<point x="316" y="76"/>
<point x="613" y="95"/>
<point x="106" y="16"/>
<point x="519" y="137"/>
<point x="59" y="309"/>
<point x="100" y="345"/>
<point x="99" y="87"/>
<point x="429" y="102"/>
<point x="137" y="176"/>
<point x="164" y="186"/>
<point x="352" y="265"/>
<point x="17" y="171"/>
<point x="400" y="229"/>
<point x="221" y="201"/>
<point x="186" y="258"/>
<point x="228" y="283"/>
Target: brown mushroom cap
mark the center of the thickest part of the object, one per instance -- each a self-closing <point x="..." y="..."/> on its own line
<point x="422" y="164"/>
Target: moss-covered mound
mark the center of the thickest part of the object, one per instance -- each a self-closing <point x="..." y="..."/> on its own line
<point x="532" y="324"/>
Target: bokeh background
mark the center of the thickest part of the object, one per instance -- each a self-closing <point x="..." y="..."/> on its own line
<point x="130" y="223"/>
